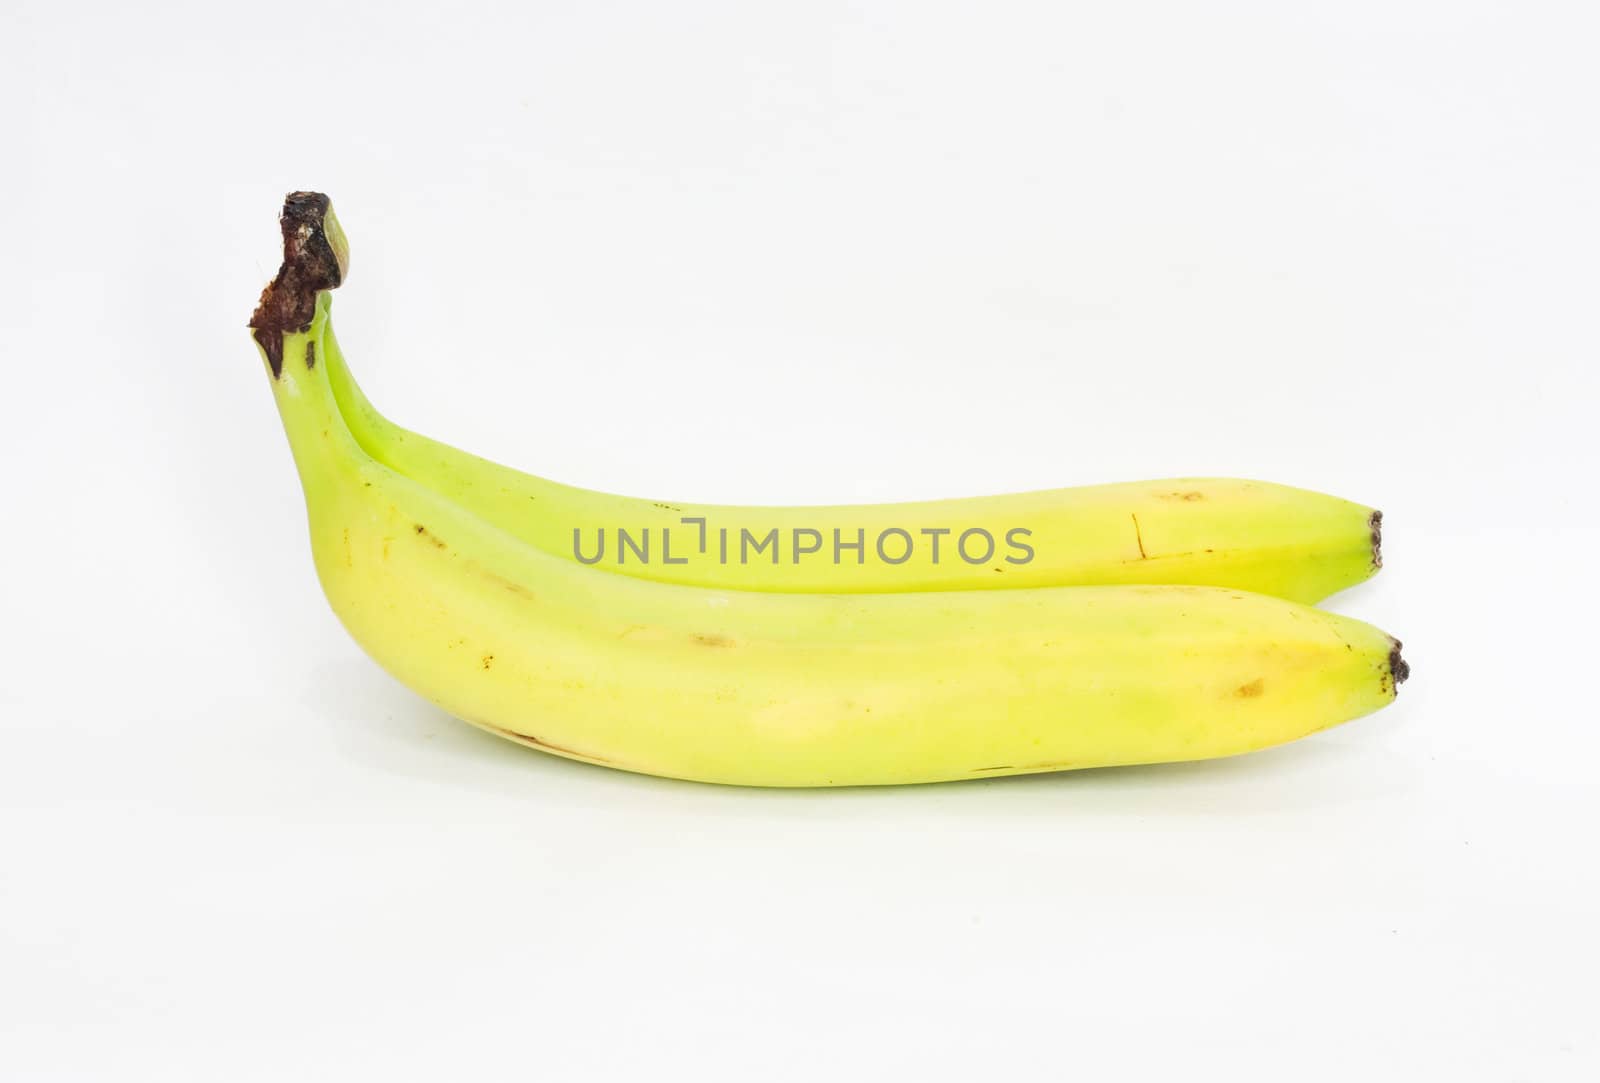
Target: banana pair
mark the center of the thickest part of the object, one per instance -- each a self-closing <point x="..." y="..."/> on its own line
<point x="1115" y="624"/>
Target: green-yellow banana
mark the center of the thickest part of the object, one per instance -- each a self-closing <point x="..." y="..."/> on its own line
<point x="1250" y="535"/>
<point x="779" y="689"/>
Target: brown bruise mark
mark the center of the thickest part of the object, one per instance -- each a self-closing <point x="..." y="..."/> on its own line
<point x="310" y="265"/>
<point x="428" y="535"/>
<point x="311" y="356"/>
<point x="712" y="639"/>
<point x="488" y="661"/>
<point x="501" y="581"/>
<point x="1138" y="537"/>
<point x="547" y="746"/>
<point x="665" y="507"/>
<point x="1164" y="556"/>
<point x="1347" y="644"/>
<point x="1375" y="523"/>
<point x="1251" y="690"/>
<point x="515" y="588"/>
<point x="1188" y="496"/>
<point x="1048" y="765"/>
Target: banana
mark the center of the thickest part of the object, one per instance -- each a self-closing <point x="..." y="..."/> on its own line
<point x="1249" y="535"/>
<point x="777" y="689"/>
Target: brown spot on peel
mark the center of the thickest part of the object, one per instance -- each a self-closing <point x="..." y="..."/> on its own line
<point x="314" y="259"/>
<point x="515" y="588"/>
<point x="1047" y="765"/>
<point x="1251" y="690"/>
<point x="1138" y="537"/>
<point x="535" y="742"/>
<point x="424" y="532"/>
<point x="712" y="639"/>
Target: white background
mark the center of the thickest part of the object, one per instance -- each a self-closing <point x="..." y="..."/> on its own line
<point x="795" y="253"/>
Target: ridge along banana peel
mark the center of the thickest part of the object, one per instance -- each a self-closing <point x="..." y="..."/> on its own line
<point x="778" y="689"/>
<point x="1226" y="532"/>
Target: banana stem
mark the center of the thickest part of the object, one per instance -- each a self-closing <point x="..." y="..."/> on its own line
<point x="316" y="257"/>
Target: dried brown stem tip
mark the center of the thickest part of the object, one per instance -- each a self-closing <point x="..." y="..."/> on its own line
<point x="1376" y="523"/>
<point x="315" y="258"/>
<point x="1397" y="665"/>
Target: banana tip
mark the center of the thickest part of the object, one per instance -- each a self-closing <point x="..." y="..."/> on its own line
<point x="1398" y="669"/>
<point x="1375" y="522"/>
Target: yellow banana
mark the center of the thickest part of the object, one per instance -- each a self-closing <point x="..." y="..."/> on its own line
<point x="1250" y="535"/>
<point x="778" y="689"/>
